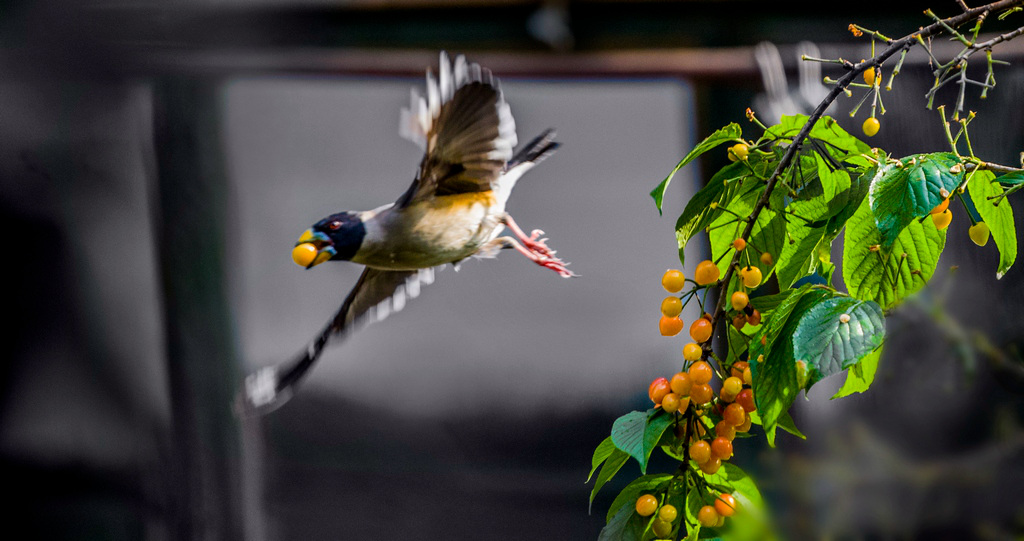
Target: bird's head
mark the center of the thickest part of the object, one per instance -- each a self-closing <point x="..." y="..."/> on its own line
<point x="337" y="237"/>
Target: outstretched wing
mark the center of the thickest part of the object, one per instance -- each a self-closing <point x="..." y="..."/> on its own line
<point x="376" y="295"/>
<point x="466" y="128"/>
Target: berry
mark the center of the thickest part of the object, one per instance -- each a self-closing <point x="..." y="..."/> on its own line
<point x="754" y="318"/>
<point x="748" y="376"/>
<point x="700" y="330"/>
<point x="751" y="276"/>
<point x="869" y="76"/>
<point x="706" y="273"/>
<point x="700" y="452"/>
<point x="681" y="384"/>
<point x="671" y="402"/>
<point x="304" y="254"/>
<point x="725" y="504"/>
<point x="734" y="414"/>
<point x="658" y="389"/>
<point x="692" y="352"/>
<point x="701" y="393"/>
<point x="739" y="244"/>
<point x="747" y="422"/>
<point x="739" y="300"/>
<point x="802" y="373"/>
<point x="940" y="207"/>
<point x="871" y="126"/>
<point x="661" y="528"/>
<point x="738" y="152"/>
<point x="726" y="430"/>
<point x="668" y="513"/>
<point x="942" y="219"/>
<point x="711" y="466"/>
<point x="670" y="326"/>
<point x="707" y="516"/>
<point x="766" y="259"/>
<point x="671" y="306"/>
<point x="739" y="321"/>
<point x="737" y="368"/>
<point x="979" y="233"/>
<point x="646" y="505"/>
<point x="745" y="398"/>
<point x="732" y="385"/>
<point x="721" y="448"/>
<point x="673" y="280"/>
<point x="700" y="372"/>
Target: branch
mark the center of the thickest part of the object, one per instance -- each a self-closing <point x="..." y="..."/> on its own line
<point x="852" y="73"/>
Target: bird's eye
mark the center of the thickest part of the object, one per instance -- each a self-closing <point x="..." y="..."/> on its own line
<point x="334" y="225"/>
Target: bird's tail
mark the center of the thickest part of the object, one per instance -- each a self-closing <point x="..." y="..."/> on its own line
<point x="535" y="151"/>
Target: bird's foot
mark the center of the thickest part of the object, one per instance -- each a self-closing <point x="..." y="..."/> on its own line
<point x="533" y="241"/>
<point x="544" y="258"/>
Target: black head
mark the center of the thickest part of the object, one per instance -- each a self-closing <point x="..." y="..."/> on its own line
<point x="336" y="237"/>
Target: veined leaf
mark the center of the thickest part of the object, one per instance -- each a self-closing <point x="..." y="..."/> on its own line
<point x="637" y="434"/>
<point x="982" y="187"/>
<point x="626" y="525"/>
<point x="730" y="132"/>
<point x="837" y="333"/>
<point x="888" y="278"/>
<point x="603" y="451"/>
<point x="901" y="192"/>
<point x="860" y="375"/>
<point x="641" y="485"/>
<point x="767" y="235"/>
<point x="1011" y="179"/>
<point x="699" y="213"/>
<point x="611" y="466"/>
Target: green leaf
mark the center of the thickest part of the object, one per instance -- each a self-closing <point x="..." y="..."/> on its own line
<point x="603" y="451"/>
<point x="637" y="435"/>
<point x="767" y="235"/>
<point x="730" y="132"/>
<point x="828" y="344"/>
<point x="786" y="423"/>
<point x="888" y="278"/>
<point x="699" y="213"/>
<point x="641" y="485"/>
<point x="901" y="192"/>
<point x="999" y="217"/>
<point x="860" y="375"/>
<point x="736" y="482"/>
<point x="1011" y="179"/>
<point x="626" y="525"/>
<point x="767" y="303"/>
<point x="610" y="468"/>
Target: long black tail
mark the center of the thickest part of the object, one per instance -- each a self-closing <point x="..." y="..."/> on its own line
<point x="537" y="150"/>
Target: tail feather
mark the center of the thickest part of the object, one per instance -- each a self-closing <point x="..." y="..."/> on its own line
<point x="535" y="151"/>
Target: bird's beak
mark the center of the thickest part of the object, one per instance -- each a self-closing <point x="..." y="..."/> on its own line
<point x="312" y="249"/>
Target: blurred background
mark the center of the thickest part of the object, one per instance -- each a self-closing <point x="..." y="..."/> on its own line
<point x="159" y="159"/>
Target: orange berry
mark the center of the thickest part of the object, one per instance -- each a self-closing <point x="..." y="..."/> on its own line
<point x="725" y="504"/>
<point x="940" y="207"/>
<point x="700" y="330"/>
<point x="701" y="393"/>
<point x="711" y="466"/>
<point x="700" y="452"/>
<point x="745" y="398"/>
<point x="739" y="300"/>
<point x="707" y="516"/>
<point x="737" y="368"/>
<point x="681" y="384"/>
<point x="671" y="306"/>
<point x="692" y="352"/>
<point x="747" y="422"/>
<point x="734" y="414"/>
<point x="658" y="389"/>
<point x="739" y="244"/>
<point x="670" y="326"/>
<point x="869" y="76"/>
<point x="706" y="273"/>
<point x="754" y="318"/>
<point x="748" y="376"/>
<point x="724" y="429"/>
<point x="766" y="259"/>
<point x="739" y="321"/>
<point x="646" y="505"/>
<point x="721" y="448"/>
<point x="670" y="403"/>
<point x="673" y="280"/>
<point x="700" y="372"/>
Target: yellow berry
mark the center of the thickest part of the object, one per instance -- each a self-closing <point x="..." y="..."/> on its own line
<point x="706" y="273"/>
<point x="681" y="384"/>
<point x="700" y="452"/>
<point x="707" y="516"/>
<point x="979" y="233"/>
<point x="871" y="126"/>
<point x="668" y="513"/>
<point x="670" y="403"/>
<point x="692" y="352"/>
<point x="766" y="259"/>
<point x="725" y="504"/>
<point x="671" y="306"/>
<point x="751" y="276"/>
<point x="942" y="219"/>
<point x="739" y="300"/>
<point x="869" y="76"/>
<point x="304" y="254"/>
<point x="738" y="152"/>
<point x="673" y="280"/>
<point x="646" y="505"/>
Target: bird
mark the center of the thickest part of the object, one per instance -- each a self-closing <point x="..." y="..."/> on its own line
<point x="454" y="210"/>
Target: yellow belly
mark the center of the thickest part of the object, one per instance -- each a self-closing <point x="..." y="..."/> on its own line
<point x="433" y="232"/>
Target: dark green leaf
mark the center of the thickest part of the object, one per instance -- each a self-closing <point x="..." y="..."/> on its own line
<point x="1011" y="179"/>
<point x="637" y="435"/>
<point x="828" y="344"/>
<point x="730" y="132"/>
<point x="786" y="423"/>
<point x="847" y="202"/>
<point x="642" y="485"/>
<point x="610" y="468"/>
<point x="887" y="278"/>
<point x="699" y="213"/>
<point x="767" y="303"/>
<point x="860" y="375"/>
<point x="999" y="217"/>
<point x="603" y="451"/>
<point x="626" y="525"/>
<point x="767" y="235"/>
<point x="901" y="192"/>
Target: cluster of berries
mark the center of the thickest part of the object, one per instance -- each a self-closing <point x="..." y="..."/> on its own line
<point x="710" y="516"/>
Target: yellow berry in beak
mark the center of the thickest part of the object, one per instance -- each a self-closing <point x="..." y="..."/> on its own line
<point x="304" y="254"/>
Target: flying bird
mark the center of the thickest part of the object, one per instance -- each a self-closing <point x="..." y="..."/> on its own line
<point x="454" y="210"/>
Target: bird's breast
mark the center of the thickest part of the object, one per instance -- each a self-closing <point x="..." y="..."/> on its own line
<point x="431" y="232"/>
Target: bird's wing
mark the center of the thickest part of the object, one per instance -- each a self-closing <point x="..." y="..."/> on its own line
<point x="376" y="295"/>
<point x="466" y="128"/>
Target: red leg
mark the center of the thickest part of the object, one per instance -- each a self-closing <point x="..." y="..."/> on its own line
<point x="533" y="242"/>
<point x="545" y="260"/>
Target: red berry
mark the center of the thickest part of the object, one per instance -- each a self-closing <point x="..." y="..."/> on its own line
<point x="658" y="389"/>
<point x="745" y="398"/>
<point x="721" y="448"/>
